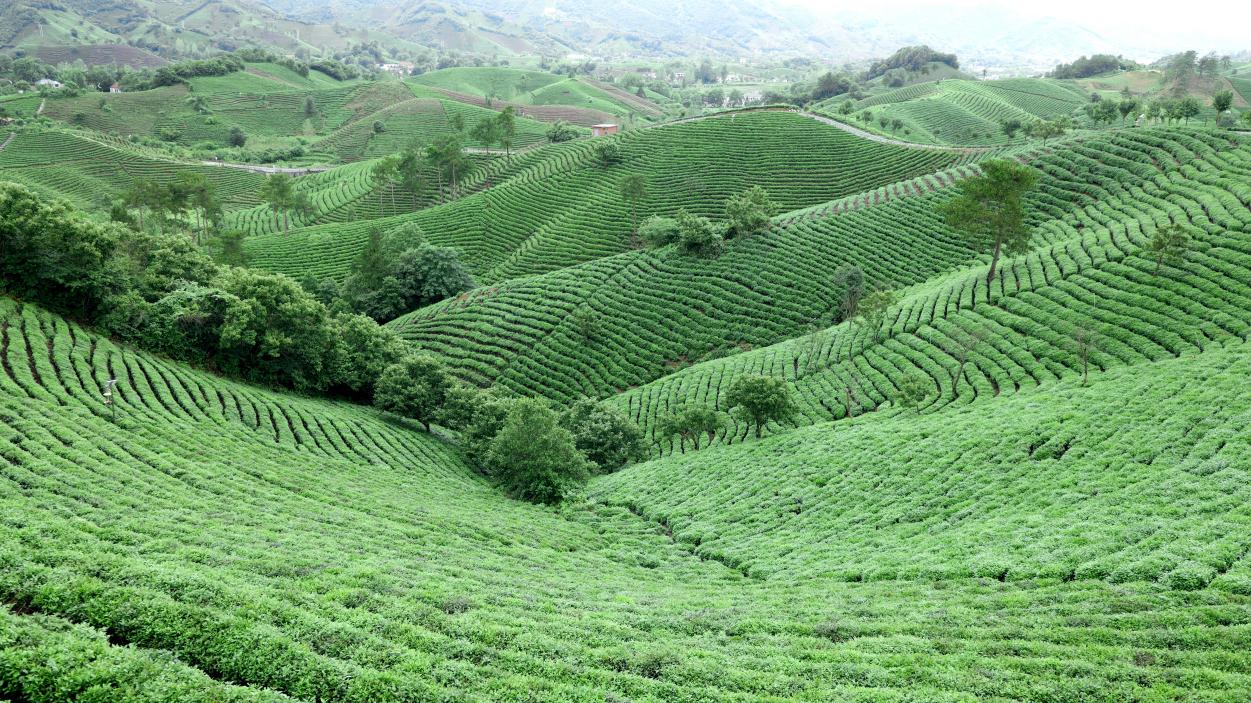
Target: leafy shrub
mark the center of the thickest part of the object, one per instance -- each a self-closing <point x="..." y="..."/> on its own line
<point x="607" y="153"/>
<point x="606" y="437"/>
<point x="562" y="131"/>
<point x="1189" y="576"/>
<point x="698" y="236"/>
<point x="749" y="212"/>
<point x="533" y="457"/>
<point x="658" y="231"/>
<point x="416" y="388"/>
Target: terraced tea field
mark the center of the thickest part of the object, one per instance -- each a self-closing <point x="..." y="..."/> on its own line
<point x="91" y="171"/>
<point x="562" y="208"/>
<point x="963" y="112"/>
<point x="280" y="547"/>
<point x="539" y="94"/>
<point x="661" y="311"/>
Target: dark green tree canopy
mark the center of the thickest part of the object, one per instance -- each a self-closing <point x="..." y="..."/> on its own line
<point x="990" y="210"/>
<point x="760" y="400"/>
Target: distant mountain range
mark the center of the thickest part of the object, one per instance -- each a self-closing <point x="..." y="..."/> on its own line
<point x="988" y="37"/>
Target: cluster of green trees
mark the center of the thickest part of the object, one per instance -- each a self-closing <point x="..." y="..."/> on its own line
<point x="396" y="272"/>
<point x="1086" y="67"/>
<point x="535" y="451"/>
<point x="188" y="203"/>
<point x="910" y="58"/>
<point x="1182" y="68"/>
<point x="756" y="400"/>
<point x="1166" y="110"/>
<point x="157" y="289"/>
<point x="746" y="214"/>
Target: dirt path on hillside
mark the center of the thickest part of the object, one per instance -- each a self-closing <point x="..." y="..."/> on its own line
<point x="257" y="168"/>
<point x="39" y="110"/>
<point x="7" y="140"/>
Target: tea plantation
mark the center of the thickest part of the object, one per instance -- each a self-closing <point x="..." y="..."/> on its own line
<point x="562" y="207"/>
<point x="660" y="311"/>
<point x="1031" y="483"/>
<point x="220" y="542"/>
<point x="964" y="112"/>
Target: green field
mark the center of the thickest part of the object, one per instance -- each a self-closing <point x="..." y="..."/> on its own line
<point x="963" y="112"/>
<point x="562" y="208"/>
<point x="538" y="90"/>
<point x="391" y="573"/>
<point x="1063" y="515"/>
<point x="276" y="107"/>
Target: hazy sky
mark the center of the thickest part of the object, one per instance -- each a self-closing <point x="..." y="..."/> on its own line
<point x="1225" y="23"/>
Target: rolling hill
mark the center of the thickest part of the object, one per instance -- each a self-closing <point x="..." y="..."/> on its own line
<point x="661" y="311"/>
<point x="563" y="208"/>
<point x="195" y="535"/>
<point x="962" y="112"/>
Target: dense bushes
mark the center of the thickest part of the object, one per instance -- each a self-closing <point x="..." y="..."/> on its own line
<point x="160" y="291"/>
<point x="535" y="451"/>
<point x="397" y="272"/>
<point x="1085" y="67"/>
<point x="910" y="58"/>
<point x="533" y="457"/>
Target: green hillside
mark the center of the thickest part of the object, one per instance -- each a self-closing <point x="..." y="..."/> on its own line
<point x="91" y="171"/>
<point x="311" y="390"/>
<point x="276" y="107"/>
<point x="195" y="530"/>
<point x="539" y="89"/>
<point x="963" y="112"/>
<point x="661" y="311"/>
<point x="563" y="208"/>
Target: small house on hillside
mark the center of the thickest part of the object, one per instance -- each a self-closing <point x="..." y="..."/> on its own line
<point x="115" y="88"/>
<point x="603" y="130"/>
<point x="48" y="83"/>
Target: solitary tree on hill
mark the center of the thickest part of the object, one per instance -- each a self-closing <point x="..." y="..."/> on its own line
<point x="750" y="212"/>
<point x="384" y="174"/>
<point x="633" y="190"/>
<point x="960" y="345"/>
<point x="1086" y="340"/>
<point x="1168" y="245"/>
<point x="1222" y="101"/>
<point x="851" y="280"/>
<point x="760" y="399"/>
<point x="871" y="312"/>
<point x="989" y="209"/>
<point x="1127" y="107"/>
<point x="1010" y="127"/>
<point x="408" y="169"/>
<point x="506" y="130"/>
<point x="279" y="193"/>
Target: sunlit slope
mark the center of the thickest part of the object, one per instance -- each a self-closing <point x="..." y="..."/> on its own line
<point x="91" y="171"/>
<point x="1088" y="272"/>
<point x="564" y="208"/>
<point x="316" y="551"/>
<point x="657" y="312"/>
<point x="1141" y="475"/>
<point x="963" y="112"/>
